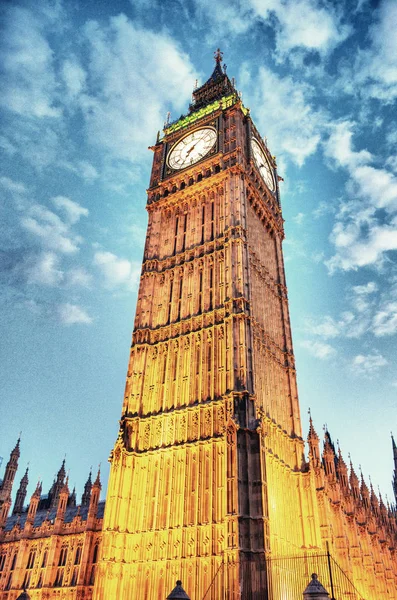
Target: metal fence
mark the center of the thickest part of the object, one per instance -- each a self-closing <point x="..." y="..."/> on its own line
<point x="282" y="579"/>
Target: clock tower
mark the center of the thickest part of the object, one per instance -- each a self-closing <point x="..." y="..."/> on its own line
<point x="206" y="474"/>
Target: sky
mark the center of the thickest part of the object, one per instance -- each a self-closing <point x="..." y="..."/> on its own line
<point x="85" y="86"/>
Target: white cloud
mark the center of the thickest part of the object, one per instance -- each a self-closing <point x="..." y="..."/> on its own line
<point x="70" y="314"/>
<point x="385" y="320"/>
<point x="29" y="82"/>
<point x="74" y="77"/>
<point x="299" y="218"/>
<point x="88" y="171"/>
<point x="117" y="271"/>
<point x="44" y="270"/>
<point x="70" y="208"/>
<point x="124" y="103"/>
<point x="303" y="24"/>
<point x="291" y="123"/>
<point x="360" y="236"/>
<point x="14" y="187"/>
<point x="78" y="276"/>
<point x="363" y="290"/>
<point x="368" y="364"/>
<point x="52" y="232"/>
<point x="319" y="349"/>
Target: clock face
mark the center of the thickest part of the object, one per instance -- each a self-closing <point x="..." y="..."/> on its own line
<point x="263" y="165"/>
<point x="192" y="148"/>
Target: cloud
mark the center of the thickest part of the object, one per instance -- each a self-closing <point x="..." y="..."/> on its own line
<point x="319" y="28"/>
<point x="368" y="364"/>
<point x="299" y="218"/>
<point x="74" y="77"/>
<point x="44" y="269"/>
<point x="292" y="124"/>
<point x="362" y="303"/>
<point x="70" y="314"/>
<point x="29" y="82"/>
<point x="385" y="320"/>
<point x="72" y="210"/>
<point x="117" y="271"/>
<point x="78" y="276"/>
<point x="319" y="349"/>
<point x="361" y="235"/>
<point x="120" y="57"/>
<point x="14" y="187"/>
<point x="51" y="231"/>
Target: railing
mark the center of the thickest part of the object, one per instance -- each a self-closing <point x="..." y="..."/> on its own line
<point x="282" y="579"/>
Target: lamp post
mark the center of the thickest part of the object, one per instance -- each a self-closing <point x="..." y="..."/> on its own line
<point x="178" y="592"/>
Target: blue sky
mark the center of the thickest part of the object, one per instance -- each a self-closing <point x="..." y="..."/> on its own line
<point x="85" y="88"/>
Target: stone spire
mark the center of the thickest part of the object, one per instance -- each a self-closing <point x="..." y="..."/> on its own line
<point x="329" y="456"/>
<point x="9" y="475"/>
<point x="34" y="503"/>
<point x="6" y="485"/>
<point x="364" y="493"/>
<point x="94" y="500"/>
<point x="63" y="500"/>
<point x="354" y="482"/>
<point x="85" y="498"/>
<point x="341" y="470"/>
<point x="57" y="486"/>
<point x="21" y="494"/>
<point x="72" y="498"/>
<point x="216" y="87"/>
<point x="314" y="444"/>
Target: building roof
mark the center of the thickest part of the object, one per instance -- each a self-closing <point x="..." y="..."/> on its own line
<point x="41" y="515"/>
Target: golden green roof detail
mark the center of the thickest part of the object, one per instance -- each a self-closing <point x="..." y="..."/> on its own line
<point x="224" y="102"/>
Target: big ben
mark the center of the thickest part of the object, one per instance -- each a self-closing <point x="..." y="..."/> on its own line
<point x="206" y="479"/>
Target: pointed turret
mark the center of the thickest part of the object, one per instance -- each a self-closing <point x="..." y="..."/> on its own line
<point x="34" y="503"/>
<point x="364" y="493"/>
<point x="56" y="487"/>
<point x="85" y="498"/>
<point x="6" y="485"/>
<point x="72" y="498"/>
<point x="374" y="501"/>
<point x="94" y="500"/>
<point x="354" y="482"/>
<point x="329" y="456"/>
<point x="215" y="88"/>
<point x="63" y="500"/>
<point x="341" y="471"/>
<point x="314" y="444"/>
<point x="21" y="494"/>
<point x="9" y="475"/>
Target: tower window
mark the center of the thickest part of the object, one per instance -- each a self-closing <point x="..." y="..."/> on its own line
<point x="176" y="234"/>
<point x="62" y="557"/>
<point x="212" y="219"/>
<point x="202" y="223"/>
<point x="77" y="558"/>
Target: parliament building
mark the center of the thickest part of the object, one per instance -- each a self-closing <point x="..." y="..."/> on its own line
<point x="211" y="481"/>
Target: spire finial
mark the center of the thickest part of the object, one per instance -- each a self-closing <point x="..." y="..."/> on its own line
<point x="218" y="55"/>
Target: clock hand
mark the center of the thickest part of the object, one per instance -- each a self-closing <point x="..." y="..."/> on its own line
<point x="191" y="149"/>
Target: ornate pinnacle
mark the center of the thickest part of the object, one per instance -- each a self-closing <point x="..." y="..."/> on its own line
<point x="218" y="56"/>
